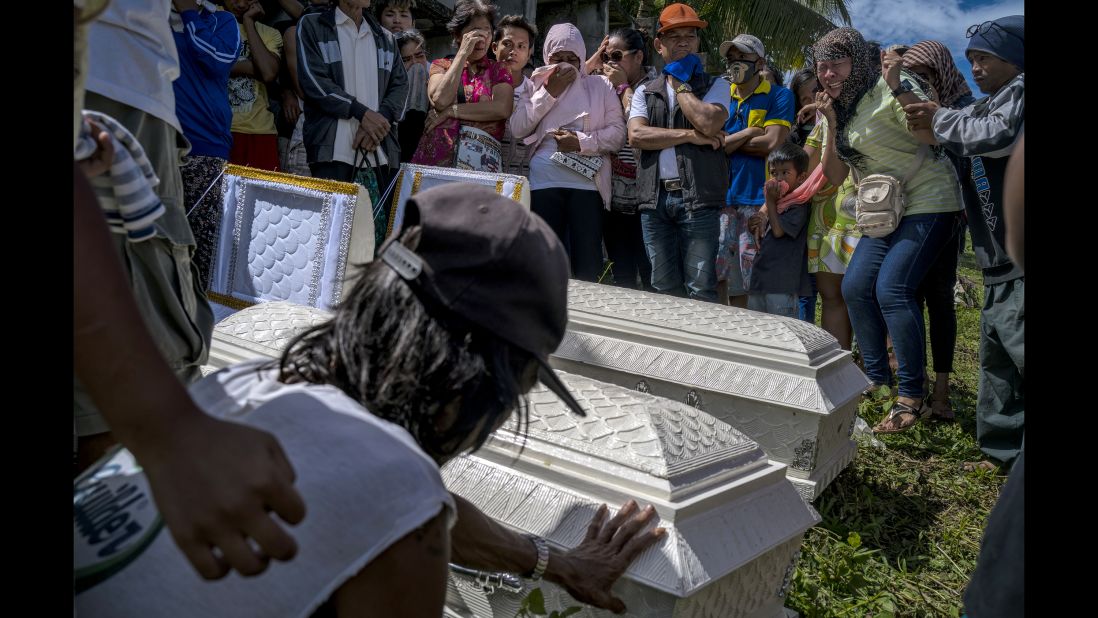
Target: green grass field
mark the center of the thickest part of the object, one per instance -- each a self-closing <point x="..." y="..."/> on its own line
<point x="902" y="525"/>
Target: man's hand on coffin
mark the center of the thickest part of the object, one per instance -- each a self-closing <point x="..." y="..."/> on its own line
<point x="376" y="125"/>
<point x="100" y="160"/>
<point x="216" y="484"/>
<point x="590" y="569"/>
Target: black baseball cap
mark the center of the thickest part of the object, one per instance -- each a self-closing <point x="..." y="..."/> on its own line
<point x="492" y="263"/>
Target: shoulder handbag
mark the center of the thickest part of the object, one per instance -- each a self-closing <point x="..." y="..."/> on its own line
<point x="476" y="149"/>
<point x="584" y="165"/>
<point x="880" y="202"/>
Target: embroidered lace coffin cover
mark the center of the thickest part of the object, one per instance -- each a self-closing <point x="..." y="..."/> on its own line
<point x="286" y="237"/>
<point x="415" y="178"/>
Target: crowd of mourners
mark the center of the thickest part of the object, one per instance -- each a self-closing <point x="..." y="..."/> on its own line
<point x="646" y="171"/>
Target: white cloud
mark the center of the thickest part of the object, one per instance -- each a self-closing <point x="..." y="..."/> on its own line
<point x="911" y="21"/>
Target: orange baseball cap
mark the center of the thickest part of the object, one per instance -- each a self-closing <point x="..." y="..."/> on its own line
<point x="679" y="15"/>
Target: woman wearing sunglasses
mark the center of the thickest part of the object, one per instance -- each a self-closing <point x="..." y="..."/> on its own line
<point x="866" y="132"/>
<point x="623" y="59"/>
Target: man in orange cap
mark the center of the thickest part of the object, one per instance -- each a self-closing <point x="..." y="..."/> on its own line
<point x="676" y="123"/>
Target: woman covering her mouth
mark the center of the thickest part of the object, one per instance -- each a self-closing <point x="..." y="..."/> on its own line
<point x="470" y="96"/>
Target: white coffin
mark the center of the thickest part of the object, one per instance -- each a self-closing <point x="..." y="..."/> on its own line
<point x="784" y="383"/>
<point x="260" y="331"/>
<point x="413" y="179"/>
<point x="735" y="523"/>
<point x="286" y="237"/>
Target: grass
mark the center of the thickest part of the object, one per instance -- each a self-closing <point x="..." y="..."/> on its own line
<point x="902" y="525"/>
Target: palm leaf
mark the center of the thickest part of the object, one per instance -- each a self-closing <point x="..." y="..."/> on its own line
<point x="787" y="27"/>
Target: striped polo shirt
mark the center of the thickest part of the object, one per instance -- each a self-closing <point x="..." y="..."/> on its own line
<point x="767" y="105"/>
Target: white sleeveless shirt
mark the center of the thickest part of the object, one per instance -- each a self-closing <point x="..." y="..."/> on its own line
<point x="365" y="482"/>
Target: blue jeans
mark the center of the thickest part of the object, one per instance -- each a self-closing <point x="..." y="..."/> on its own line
<point x="682" y="246"/>
<point x="879" y="289"/>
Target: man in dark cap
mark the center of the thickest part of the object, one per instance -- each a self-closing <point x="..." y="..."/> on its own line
<point x="432" y="350"/>
<point x="986" y="133"/>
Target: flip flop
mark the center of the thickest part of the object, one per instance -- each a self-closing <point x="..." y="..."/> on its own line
<point x="898" y="409"/>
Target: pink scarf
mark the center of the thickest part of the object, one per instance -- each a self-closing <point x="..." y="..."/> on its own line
<point x="803" y="193"/>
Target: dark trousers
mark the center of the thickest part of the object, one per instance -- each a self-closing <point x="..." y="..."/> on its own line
<point x="625" y="248"/>
<point x="410" y="132"/>
<point x="936" y="292"/>
<point x="576" y="216"/>
<point x="1000" y="402"/>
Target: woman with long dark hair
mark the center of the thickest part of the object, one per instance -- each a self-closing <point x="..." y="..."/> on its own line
<point x="831" y="234"/>
<point x="866" y="133"/>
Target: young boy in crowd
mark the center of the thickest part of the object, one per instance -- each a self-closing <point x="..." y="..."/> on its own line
<point x="255" y="137"/>
<point x="780" y="271"/>
<point x="395" y="15"/>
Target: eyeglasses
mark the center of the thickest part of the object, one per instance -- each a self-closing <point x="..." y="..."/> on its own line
<point x="616" y="55"/>
<point x="986" y="27"/>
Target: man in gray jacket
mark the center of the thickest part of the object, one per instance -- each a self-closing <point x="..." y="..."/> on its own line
<point x="986" y="133"/>
<point x="355" y="86"/>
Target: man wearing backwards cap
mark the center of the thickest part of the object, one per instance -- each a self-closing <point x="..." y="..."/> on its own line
<point x="682" y="173"/>
<point x="431" y="351"/>
<point x="986" y="132"/>
<point x="759" y="122"/>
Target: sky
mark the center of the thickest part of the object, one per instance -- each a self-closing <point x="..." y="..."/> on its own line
<point x="911" y="21"/>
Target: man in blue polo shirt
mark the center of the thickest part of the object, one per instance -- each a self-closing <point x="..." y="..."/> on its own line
<point x="759" y="122"/>
<point x="208" y="41"/>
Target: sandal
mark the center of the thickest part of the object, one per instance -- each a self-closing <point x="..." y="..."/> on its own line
<point x="897" y="411"/>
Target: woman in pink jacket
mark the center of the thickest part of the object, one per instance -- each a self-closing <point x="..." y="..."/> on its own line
<point x="567" y="113"/>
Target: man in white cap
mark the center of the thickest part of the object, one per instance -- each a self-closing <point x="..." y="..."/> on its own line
<point x="760" y="119"/>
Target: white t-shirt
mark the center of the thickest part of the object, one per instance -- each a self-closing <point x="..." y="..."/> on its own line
<point x="132" y="57"/>
<point x="545" y="174"/>
<point x="365" y="482"/>
<point x="719" y="93"/>
<point x="358" y="50"/>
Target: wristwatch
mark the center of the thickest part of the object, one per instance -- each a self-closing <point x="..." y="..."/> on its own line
<point x="543" y="557"/>
<point x="905" y="86"/>
<point x="683" y="87"/>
